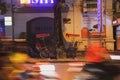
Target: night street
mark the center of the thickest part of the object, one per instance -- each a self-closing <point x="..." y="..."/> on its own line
<point x="60" y="39"/>
<point x="64" y="69"/>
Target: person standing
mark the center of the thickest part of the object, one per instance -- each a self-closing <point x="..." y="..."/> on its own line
<point x="59" y="52"/>
<point x="71" y="52"/>
<point x="75" y="46"/>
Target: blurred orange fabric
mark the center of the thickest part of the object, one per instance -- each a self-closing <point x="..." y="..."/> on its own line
<point x="95" y="53"/>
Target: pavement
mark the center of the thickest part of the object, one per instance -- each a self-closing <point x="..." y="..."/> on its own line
<point x="63" y="60"/>
<point x="79" y="58"/>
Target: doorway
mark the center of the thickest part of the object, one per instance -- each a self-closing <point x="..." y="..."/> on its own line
<point x="41" y="26"/>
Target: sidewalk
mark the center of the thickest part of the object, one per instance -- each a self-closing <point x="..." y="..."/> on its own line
<point x="62" y="60"/>
<point x="78" y="58"/>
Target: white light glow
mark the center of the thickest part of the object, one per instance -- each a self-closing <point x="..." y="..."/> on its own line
<point x="115" y="57"/>
<point x="46" y="1"/>
<point x="8" y="21"/>
<point x="41" y="1"/>
<point x="52" y="1"/>
<point x="115" y="22"/>
<point x="50" y="74"/>
<point x="8" y="18"/>
<point x="47" y="68"/>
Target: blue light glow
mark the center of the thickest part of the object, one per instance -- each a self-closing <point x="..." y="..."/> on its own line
<point x="38" y="2"/>
<point x="52" y="1"/>
<point x="34" y="1"/>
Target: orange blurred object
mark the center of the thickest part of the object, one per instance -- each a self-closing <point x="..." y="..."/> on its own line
<point x="95" y="52"/>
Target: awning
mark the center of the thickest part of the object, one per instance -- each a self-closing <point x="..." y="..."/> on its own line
<point x="42" y="35"/>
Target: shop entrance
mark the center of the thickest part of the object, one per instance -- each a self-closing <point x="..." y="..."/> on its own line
<point x="118" y="38"/>
<point x="116" y="33"/>
<point x="40" y="29"/>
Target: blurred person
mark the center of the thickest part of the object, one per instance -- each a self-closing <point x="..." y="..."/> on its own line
<point x="96" y="57"/>
<point x="19" y="62"/>
<point x="95" y="53"/>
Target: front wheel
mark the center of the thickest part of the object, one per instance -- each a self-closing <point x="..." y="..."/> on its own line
<point x="43" y="54"/>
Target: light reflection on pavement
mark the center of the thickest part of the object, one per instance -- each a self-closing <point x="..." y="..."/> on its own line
<point x="66" y="70"/>
<point x="63" y="71"/>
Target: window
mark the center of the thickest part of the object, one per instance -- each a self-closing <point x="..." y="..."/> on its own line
<point x="90" y="6"/>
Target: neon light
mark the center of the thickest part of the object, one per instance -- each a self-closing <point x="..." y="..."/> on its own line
<point x="36" y="1"/>
<point x="25" y="1"/>
<point x="100" y="14"/>
<point x="52" y="1"/>
<point x="41" y="1"/>
<point x="46" y="1"/>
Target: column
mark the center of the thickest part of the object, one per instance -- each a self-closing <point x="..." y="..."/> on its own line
<point x="108" y="22"/>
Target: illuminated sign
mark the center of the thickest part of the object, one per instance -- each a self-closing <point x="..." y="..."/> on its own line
<point x="8" y="21"/>
<point x="100" y="14"/>
<point x="36" y="1"/>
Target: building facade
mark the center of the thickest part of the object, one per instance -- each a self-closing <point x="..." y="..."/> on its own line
<point x="84" y="20"/>
<point x="79" y="20"/>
